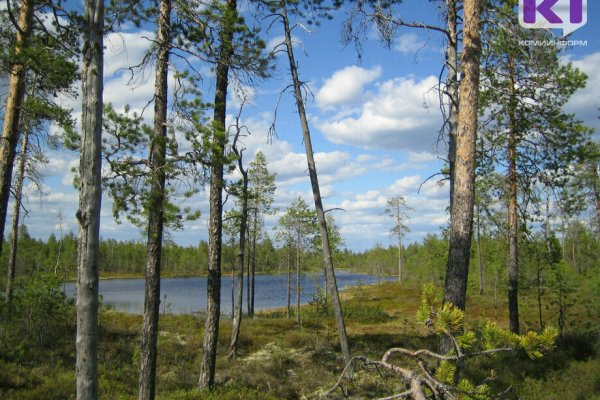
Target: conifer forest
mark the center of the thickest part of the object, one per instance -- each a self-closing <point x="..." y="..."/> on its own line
<point x="284" y="199"/>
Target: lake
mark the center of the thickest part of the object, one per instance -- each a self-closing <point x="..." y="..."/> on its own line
<point x="188" y="295"/>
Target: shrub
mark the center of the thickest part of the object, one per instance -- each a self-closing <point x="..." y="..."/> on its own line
<point x="43" y="313"/>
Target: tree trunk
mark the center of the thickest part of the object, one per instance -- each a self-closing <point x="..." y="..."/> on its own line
<point x="289" y="280"/>
<point x="539" y="293"/>
<point x="461" y="212"/>
<point x="312" y="170"/>
<point x="248" y="286"/>
<point x="452" y="86"/>
<point x="14" y="239"/>
<point x="237" y="311"/>
<point x="400" y="261"/>
<point x="213" y="307"/>
<point x="253" y="264"/>
<point x="12" y="111"/>
<point x="596" y="194"/>
<point x="90" y="198"/>
<point x="479" y="255"/>
<point x="513" y="255"/>
<point x="157" y="163"/>
<point x="298" y="279"/>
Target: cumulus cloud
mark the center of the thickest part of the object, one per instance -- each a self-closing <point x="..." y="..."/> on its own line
<point x="585" y="103"/>
<point x="346" y="86"/>
<point x="409" y="43"/>
<point x="363" y="221"/>
<point x="124" y="50"/>
<point x="277" y="43"/>
<point x="402" y="115"/>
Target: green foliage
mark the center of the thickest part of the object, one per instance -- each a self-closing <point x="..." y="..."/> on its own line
<point x="488" y="339"/>
<point x="579" y="380"/>
<point x="446" y="372"/>
<point x="42" y="308"/>
<point x="523" y="91"/>
<point x="298" y="226"/>
<point x="41" y="317"/>
<point x="129" y="178"/>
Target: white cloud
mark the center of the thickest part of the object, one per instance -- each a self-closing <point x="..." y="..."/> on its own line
<point x="125" y="49"/>
<point x="421" y="157"/>
<point x="346" y="86"/>
<point x="403" y="114"/>
<point x="409" y="43"/>
<point x="585" y="103"/>
<point x="363" y="219"/>
<point x="277" y="43"/>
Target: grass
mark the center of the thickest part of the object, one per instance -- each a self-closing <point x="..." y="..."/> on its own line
<point x="281" y="359"/>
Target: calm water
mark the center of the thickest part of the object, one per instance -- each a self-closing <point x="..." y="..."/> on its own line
<point x="188" y="295"/>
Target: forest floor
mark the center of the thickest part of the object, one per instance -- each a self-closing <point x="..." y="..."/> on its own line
<point x="280" y="358"/>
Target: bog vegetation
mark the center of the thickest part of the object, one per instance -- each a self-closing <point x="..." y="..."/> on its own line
<point x="503" y="302"/>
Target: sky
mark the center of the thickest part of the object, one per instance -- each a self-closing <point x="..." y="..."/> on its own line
<point x="374" y="122"/>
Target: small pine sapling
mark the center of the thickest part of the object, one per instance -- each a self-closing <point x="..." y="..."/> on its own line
<point x="430" y="375"/>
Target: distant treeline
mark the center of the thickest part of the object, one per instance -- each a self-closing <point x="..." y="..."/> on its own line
<point x="424" y="261"/>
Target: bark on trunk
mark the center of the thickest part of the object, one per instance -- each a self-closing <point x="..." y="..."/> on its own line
<point x="479" y="255"/>
<point x="539" y="293"/>
<point x="513" y="255"/>
<point x="90" y="197"/>
<point x="400" y="261"/>
<point x="289" y="280"/>
<point x="452" y="86"/>
<point x="213" y="308"/>
<point x="253" y="264"/>
<point x="248" y="276"/>
<point x="12" y="111"/>
<point x="312" y="170"/>
<point x="298" y="279"/>
<point x="461" y="212"/>
<point x="14" y="239"/>
<point x="237" y="311"/>
<point x="596" y="194"/>
<point x="157" y="161"/>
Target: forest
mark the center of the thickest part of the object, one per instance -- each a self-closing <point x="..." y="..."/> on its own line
<point x="502" y="300"/>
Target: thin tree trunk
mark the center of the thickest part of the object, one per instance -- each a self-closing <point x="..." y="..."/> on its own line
<point x="253" y="262"/>
<point x="213" y="307"/>
<point x="539" y="292"/>
<point x="326" y="294"/>
<point x="237" y="311"/>
<point x="461" y="213"/>
<point x="513" y="251"/>
<point x="248" y="286"/>
<point x="400" y="261"/>
<point x="312" y="170"/>
<point x="452" y="86"/>
<point x="298" y="279"/>
<point x="289" y="280"/>
<point x="12" y="111"/>
<point x="14" y="239"/>
<point x="596" y="194"/>
<point x="157" y="161"/>
<point x="479" y="255"/>
<point x="90" y="198"/>
<point x="547" y="226"/>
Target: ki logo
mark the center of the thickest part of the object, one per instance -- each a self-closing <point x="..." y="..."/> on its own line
<point x="568" y="15"/>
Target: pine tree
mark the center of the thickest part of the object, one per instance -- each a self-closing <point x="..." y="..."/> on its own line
<point x="523" y="91"/>
<point x="261" y="189"/>
<point x="90" y="195"/>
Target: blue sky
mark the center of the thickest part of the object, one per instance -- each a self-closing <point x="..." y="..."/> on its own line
<point x="374" y="123"/>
